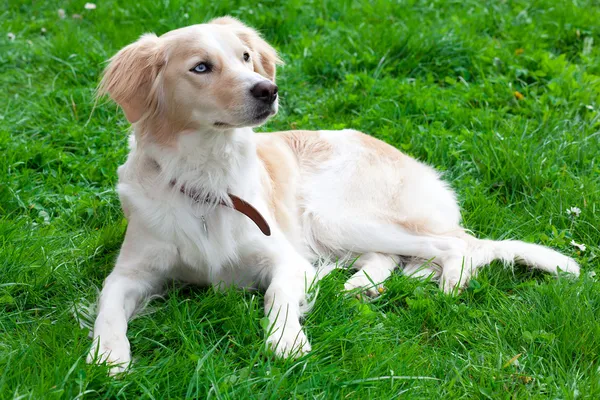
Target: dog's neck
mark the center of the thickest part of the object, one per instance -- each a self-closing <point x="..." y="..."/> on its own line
<point x="213" y="161"/>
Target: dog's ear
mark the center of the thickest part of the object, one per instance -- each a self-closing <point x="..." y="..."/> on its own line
<point x="264" y="57"/>
<point x="131" y="77"/>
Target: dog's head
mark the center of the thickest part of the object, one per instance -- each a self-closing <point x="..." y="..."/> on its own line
<point x="220" y="74"/>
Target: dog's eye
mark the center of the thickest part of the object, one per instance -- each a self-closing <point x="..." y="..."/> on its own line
<point x="201" y="68"/>
<point x="246" y="56"/>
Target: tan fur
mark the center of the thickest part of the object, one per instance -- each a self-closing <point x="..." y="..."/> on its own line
<point x="131" y="75"/>
<point x="150" y="78"/>
<point x="264" y="57"/>
<point x="309" y="147"/>
<point x="421" y="226"/>
<point x="281" y="175"/>
<point x="381" y="148"/>
<point x="226" y="93"/>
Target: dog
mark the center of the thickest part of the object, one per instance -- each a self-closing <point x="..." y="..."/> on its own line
<point x="210" y="202"/>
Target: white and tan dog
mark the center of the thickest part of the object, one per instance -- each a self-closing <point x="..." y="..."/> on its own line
<point x="212" y="203"/>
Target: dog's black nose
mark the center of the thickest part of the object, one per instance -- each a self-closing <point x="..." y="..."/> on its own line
<point x="265" y="91"/>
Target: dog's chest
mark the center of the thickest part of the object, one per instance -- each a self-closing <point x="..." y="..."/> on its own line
<point x="214" y="245"/>
<point x="210" y="240"/>
<point x="205" y="238"/>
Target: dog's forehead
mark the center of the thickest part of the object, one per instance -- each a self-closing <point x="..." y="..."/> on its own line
<point x="205" y="37"/>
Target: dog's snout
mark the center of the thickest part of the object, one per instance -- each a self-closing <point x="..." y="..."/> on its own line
<point x="264" y="91"/>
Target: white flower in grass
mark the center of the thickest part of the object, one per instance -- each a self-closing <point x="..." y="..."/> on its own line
<point x="574" y="211"/>
<point x="61" y="13"/>
<point x="579" y="246"/>
<point x="90" y="6"/>
<point x="11" y="36"/>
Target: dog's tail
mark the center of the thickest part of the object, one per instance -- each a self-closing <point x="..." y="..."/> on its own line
<point x="484" y="251"/>
<point x="481" y="252"/>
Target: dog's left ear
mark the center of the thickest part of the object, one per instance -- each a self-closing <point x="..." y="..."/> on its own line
<point x="264" y="56"/>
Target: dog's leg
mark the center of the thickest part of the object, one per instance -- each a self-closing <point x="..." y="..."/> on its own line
<point x="373" y="269"/>
<point x="285" y="301"/>
<point x="387" y="238"/>
<point x="138" y="273"/>
<point x="121" y="295"/>
<point x="363" y="236"/>
<point x="456" y="272"/>
<point x="421" y="269"/>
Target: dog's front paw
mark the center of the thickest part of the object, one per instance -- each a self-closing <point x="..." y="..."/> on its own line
<point x="289" y="344"/>
<point x="361" y="283"/>
<point x="115" y="352"/>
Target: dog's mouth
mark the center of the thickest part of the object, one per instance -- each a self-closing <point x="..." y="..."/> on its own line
<point x="263" y="115"/>
<point x="258" y="118"/>
<point x="219" y="124"/>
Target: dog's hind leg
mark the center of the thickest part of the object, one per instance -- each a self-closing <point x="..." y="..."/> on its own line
<point x="421" y="269"/>
<point x="373" y="270"/>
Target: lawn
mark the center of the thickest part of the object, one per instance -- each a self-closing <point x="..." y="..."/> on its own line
<point x="502" y="96"/>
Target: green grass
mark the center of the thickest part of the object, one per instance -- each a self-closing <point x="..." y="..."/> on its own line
<point x="437" y="79"/>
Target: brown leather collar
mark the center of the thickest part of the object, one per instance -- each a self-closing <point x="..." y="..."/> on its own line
<point x="240" y="205"/>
